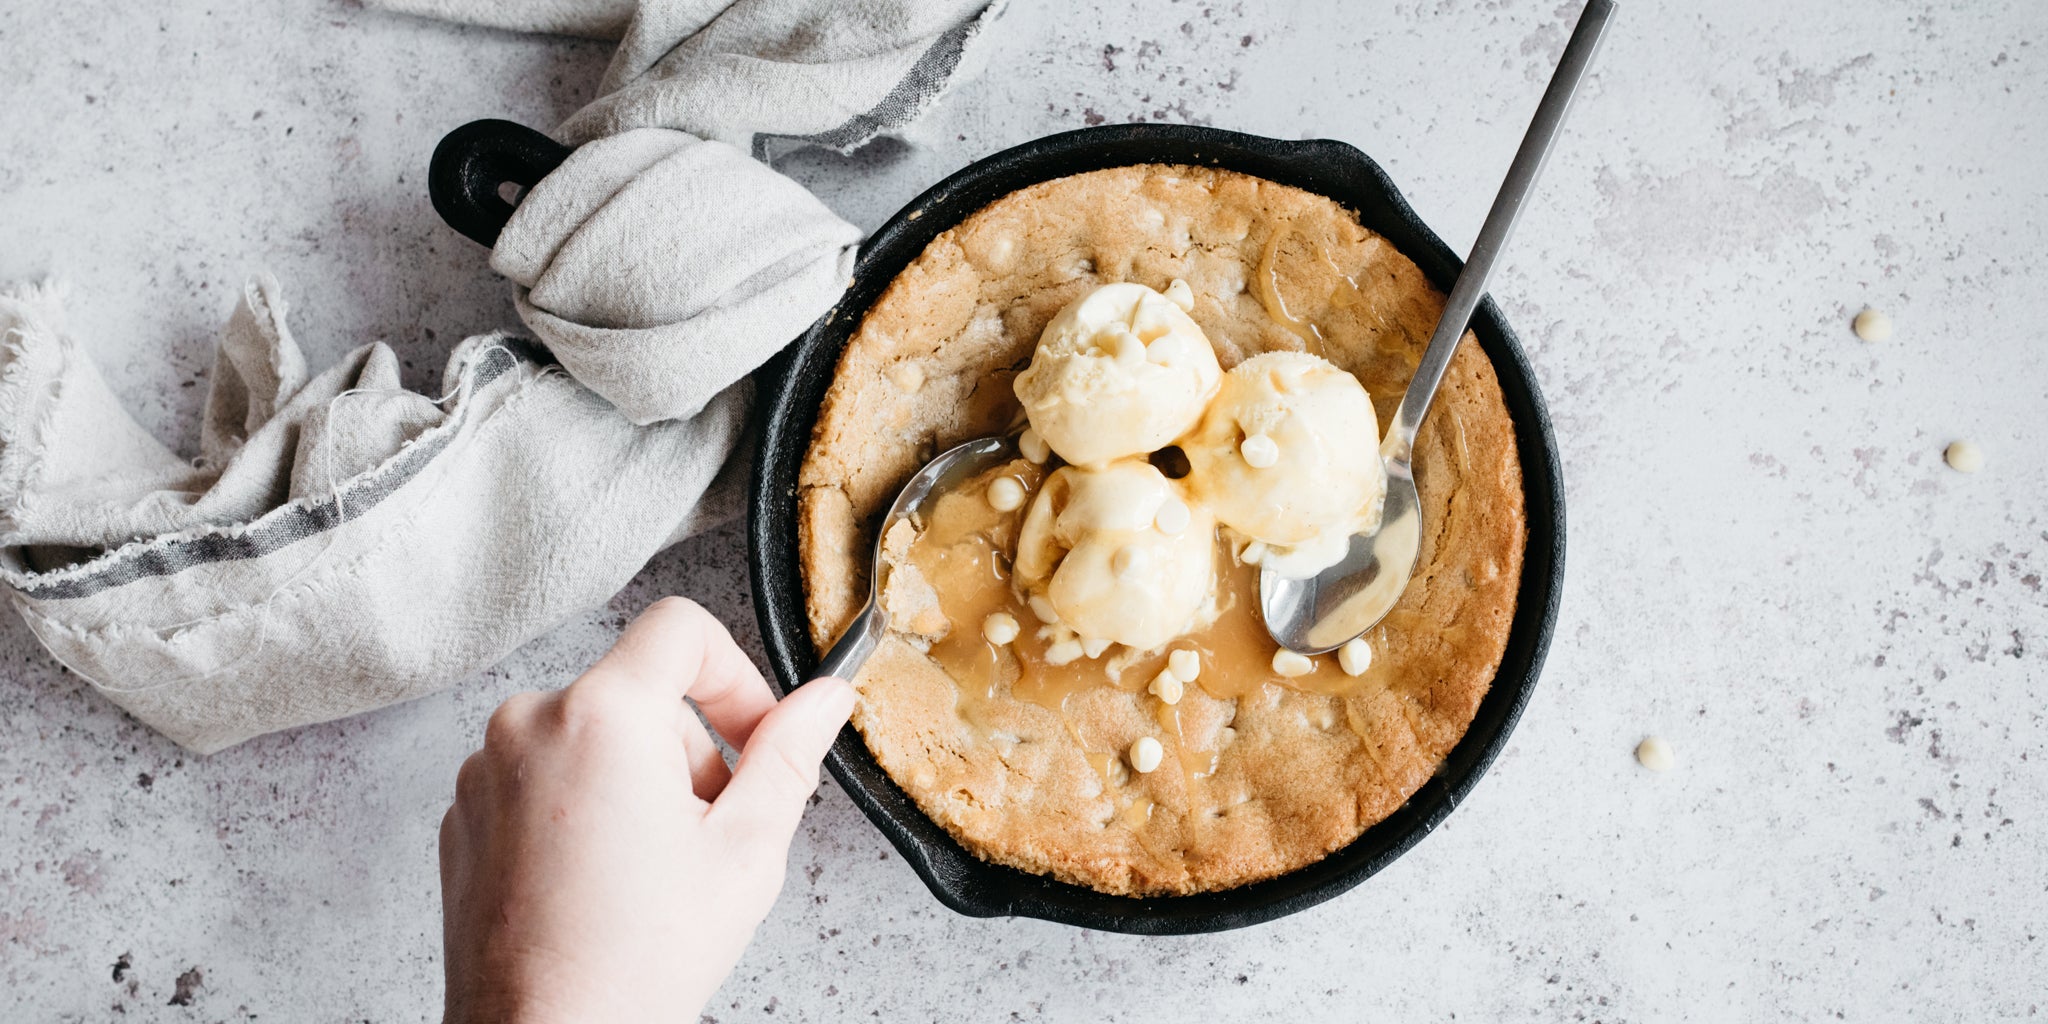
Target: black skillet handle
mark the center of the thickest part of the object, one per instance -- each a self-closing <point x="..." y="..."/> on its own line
<point x="473" y="160"/>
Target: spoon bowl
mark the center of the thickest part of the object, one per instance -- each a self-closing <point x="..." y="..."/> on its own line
<point x="1321" y="613"/>
<point x="952" y="467"/>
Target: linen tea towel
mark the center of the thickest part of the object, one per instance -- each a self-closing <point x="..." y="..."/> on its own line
<point x="342" y="543"/>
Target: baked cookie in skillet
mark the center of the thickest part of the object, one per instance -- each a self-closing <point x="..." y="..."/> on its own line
<point x="1260" y="774"/>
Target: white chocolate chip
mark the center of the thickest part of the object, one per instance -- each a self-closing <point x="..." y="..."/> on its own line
<point x="1129" y="561"/>
<point x="1291" y="663"/>
<point x="1290" y="378"/>
<point x="1043" y="609"/>
<point x="1064" y="652"/>
<point x="1185" y="664"/>
<point x="1093" y="646"/>
<point x="1146" y="754"/>
<point x="1964" y="457"/>
<point x="1655" y="754"/>
<point x="996" y="252"/>
<point x="1033" y="447"/>
<point x="1173" y="516"/>
<point x="1000" y="628"/>
<point x="1355" y="656"/>
<point x="1254" y="553"/>
<point x="1167" y="687"/>
<point x="1872" y="325"/>
<point x="1123" y="346"/>
<point x="1005" y="494"/>
<point x="1178" y="293"/>
<point x="1259" y="451"/>
<point x="907" y="376"/>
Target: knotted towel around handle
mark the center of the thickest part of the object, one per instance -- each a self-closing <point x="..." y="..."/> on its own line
<point x="657" y="267"/>
<point x="342" y="543"/>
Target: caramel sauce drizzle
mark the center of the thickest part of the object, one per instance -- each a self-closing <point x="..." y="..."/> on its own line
<point x="1267" y="282"/>
<point x="1343" y="295"/>
<point x="963" y="551"/>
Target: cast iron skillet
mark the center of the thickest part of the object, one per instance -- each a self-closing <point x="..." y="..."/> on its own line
<point x="470" y="164"/>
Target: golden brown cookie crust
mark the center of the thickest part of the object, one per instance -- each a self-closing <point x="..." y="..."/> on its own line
<point x="1297" y="775"/>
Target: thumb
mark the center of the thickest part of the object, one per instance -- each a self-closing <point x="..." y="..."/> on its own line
<point x="778" y="769"/>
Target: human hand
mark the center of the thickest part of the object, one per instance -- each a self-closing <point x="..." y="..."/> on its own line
<point x="601" y="863"/>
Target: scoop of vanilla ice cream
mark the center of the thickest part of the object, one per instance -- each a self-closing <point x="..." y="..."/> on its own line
<point x="1120" y="371"/>
<point x="1117" y="553"/>
<point x="1288" y="456"/>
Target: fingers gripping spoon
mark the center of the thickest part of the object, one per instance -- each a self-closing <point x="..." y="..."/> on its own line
<point x="1318" y="614"/>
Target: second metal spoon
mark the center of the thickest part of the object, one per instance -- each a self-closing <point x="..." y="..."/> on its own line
<point x="1318" y="614"/>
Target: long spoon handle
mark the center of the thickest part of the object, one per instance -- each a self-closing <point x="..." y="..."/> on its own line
<point x="1500" y="223"/>
<point x="851" y="652"/>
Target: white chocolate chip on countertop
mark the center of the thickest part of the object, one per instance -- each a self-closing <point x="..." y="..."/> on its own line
<point x="1655" y="754"/>
<point x="1964" y="456"/>
<point x="1872" y="325"/>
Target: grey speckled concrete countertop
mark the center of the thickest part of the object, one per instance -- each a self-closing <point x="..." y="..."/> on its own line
<point x="1845" y="641"/>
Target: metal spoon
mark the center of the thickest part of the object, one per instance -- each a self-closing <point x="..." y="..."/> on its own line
<point x="947" y="472"/>
<point x="1320" y="613"/>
